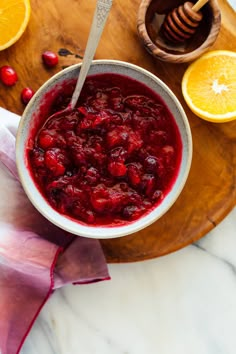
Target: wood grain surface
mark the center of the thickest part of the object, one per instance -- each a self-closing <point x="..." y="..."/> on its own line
<point x="210" y="191"/>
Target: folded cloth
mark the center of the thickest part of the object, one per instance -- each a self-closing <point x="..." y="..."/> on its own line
<point x="36" y="257"/>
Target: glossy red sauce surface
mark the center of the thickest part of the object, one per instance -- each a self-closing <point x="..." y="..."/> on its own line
<point x="113" y="158"/>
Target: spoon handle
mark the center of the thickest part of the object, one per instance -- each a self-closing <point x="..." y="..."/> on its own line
<point x="99" y="20"/>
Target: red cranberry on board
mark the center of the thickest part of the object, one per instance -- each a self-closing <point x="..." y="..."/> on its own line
<point x="50" y="59"/>
<point x="26" y="95"/>
<point x="8" y="75"/>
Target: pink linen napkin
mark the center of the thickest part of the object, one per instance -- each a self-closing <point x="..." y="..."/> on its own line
<point x="36" y="257"/>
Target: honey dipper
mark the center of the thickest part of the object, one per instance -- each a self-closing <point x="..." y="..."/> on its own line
<point x="182" y="22"/>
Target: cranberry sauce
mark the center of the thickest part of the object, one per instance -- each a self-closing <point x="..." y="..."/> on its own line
<point x="113" y="158"/>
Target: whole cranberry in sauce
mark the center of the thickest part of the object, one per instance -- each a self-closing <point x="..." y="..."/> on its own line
<point x="111" y="160"/>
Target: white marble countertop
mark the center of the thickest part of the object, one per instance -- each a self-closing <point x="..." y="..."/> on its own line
<point x="233" y="4"/>
<point x="182" y="303"/>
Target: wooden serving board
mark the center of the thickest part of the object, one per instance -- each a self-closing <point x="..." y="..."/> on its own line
<point x="210" y="191"/>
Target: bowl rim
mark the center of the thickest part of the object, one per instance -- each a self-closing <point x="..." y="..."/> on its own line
<point x="161" y="54"/>
<point x="97" y="232"/>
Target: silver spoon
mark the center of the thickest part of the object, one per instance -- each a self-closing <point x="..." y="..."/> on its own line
<point x="100" y="16"/>
<point x="99" y="19"/>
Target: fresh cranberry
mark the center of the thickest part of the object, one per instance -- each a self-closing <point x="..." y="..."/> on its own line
<point x="26" y="95"/>
<point x="50" y="59"/>
<point x="8" y="75"/>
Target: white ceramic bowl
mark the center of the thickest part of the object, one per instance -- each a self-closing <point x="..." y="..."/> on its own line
<point x="27" y="124"/>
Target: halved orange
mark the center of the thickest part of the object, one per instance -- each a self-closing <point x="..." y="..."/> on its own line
<point x="209" y="86"/>
<point x="14" y="17"/>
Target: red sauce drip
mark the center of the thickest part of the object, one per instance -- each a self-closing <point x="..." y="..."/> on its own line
<point x="112" y="159"/>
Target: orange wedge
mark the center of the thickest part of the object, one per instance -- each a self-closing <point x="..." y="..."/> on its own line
<point x="209" y="86"/>
<point x="14" y="17"/>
